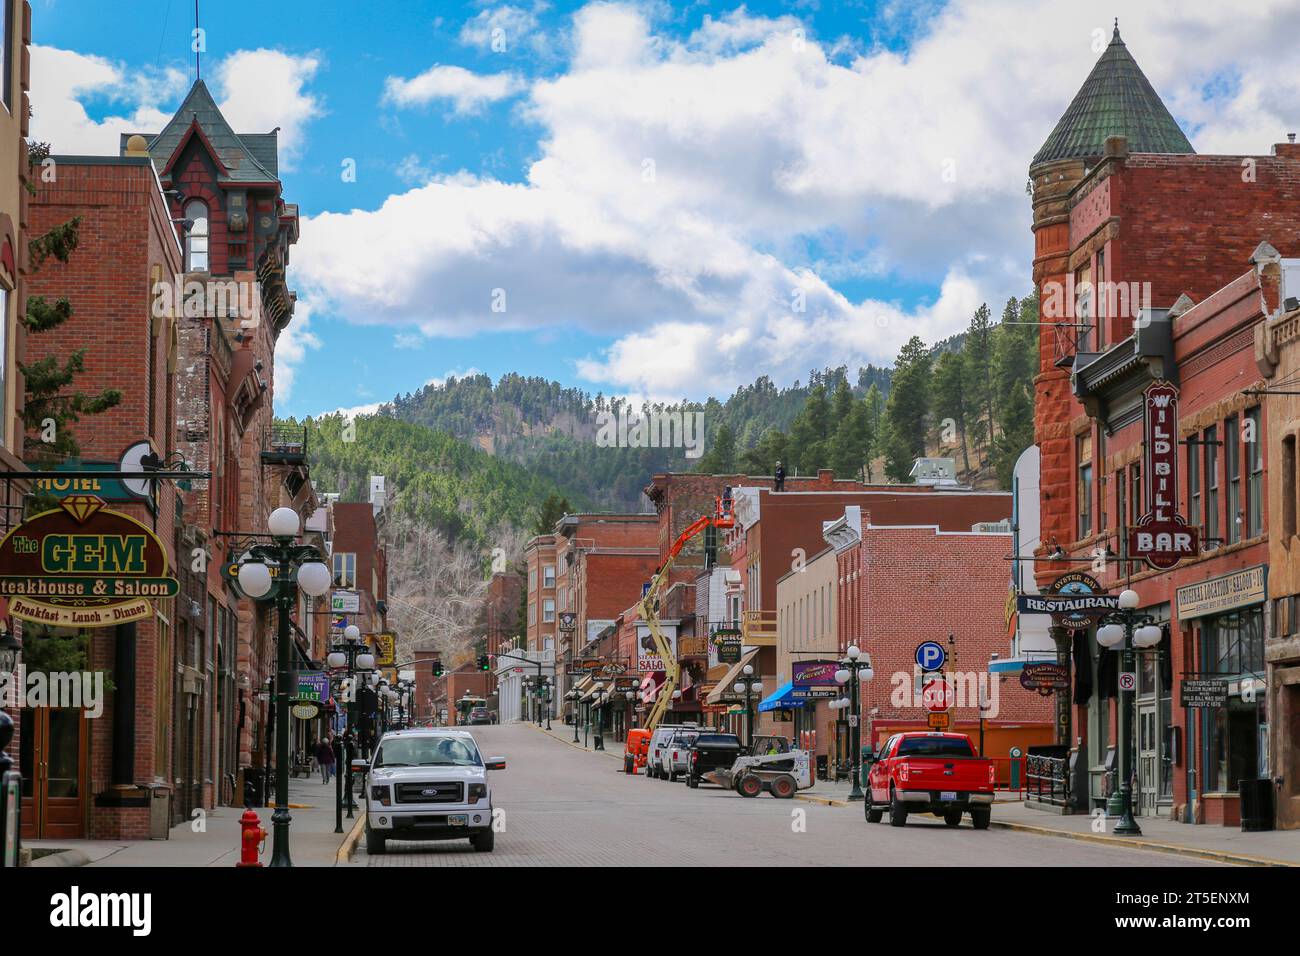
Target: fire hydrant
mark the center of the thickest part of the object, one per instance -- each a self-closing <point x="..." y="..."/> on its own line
<point x="251" y="839"/>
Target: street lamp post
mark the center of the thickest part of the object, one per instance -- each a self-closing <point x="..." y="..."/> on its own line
<point x="749" y="685"/>
<point x="574" y="696"/>
<point x="548" y="704"/>
<point x="1130" y="629"/>
<point x="313" y="577"/>
<point x="855" y="669"/>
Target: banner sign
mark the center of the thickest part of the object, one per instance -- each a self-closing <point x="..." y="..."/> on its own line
<point x="1239" y="589"/>
<point x="1162" y="537"/>
<point x="385" y="649"/>
<point x="727" y="644"/>
<point x="568" y="621"/>
<point x="813" y="693"/>
<point x="1078" y="599"/>
<point x="82" y="565"/>
<point x="313" y="685"/>
<point x="814" y="673"/>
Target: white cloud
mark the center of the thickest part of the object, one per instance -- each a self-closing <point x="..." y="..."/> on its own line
<point x="684" y="188"/>
<point x="505" y="29"/>
<point x="291" y="349"/>
<point x="438" y="381"/>
<point x="468" y="92"/>
<point x="353" y="411"/>
<point x="262" y="89"/>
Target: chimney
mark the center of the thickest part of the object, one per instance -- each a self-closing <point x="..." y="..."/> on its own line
<point x="825" y="477"/>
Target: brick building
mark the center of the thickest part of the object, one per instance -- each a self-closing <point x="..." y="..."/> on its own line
<point x="1154" y="264"/>
<point x="900" y="584"/>
<point x="126" y="759"/>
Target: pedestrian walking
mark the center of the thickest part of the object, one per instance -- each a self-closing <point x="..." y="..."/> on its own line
<point x="325" y="758"/>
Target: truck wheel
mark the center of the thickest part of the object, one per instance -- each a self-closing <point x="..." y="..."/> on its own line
<point x="897" y="812"/>
<point x="874" y="813"/>
<point x="672" y="776"/>
<point x="750" y="785"/>
<point x="484" y="840"/>
<point x="952" y="818"/>
<point x="980" y="816"/>
<point x="627" y="764"/>
<point x="693" y="782"/>
<point x="783" y="787"/>
<point x="376" y="845"/>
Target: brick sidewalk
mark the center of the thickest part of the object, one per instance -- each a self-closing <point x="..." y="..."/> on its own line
<point x="312" y="840"/>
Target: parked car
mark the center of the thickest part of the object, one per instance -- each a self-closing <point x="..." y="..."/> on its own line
<point x="658" y="743"/>
<point x="709" y="752"/>
<point x="677" y="753"/>
<point x="429" y="784"/>
<point x="925" y="772"/>
<point x="479" y="715"/>
<point x="634" y="749"/>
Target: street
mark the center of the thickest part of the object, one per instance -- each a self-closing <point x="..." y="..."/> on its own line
<point x="567" y="807"/>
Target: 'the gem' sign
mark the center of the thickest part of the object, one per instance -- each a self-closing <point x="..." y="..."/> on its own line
<point x="1162" y="537"/>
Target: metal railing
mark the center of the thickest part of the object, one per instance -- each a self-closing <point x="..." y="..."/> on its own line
<point x="285" y="443"/>
<point x="1047" y="780"/>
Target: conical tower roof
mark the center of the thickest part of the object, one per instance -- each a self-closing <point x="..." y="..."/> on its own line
<point x="1116" y="100"/>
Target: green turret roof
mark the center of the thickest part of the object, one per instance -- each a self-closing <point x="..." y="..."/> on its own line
<point x="1116" y="100"/>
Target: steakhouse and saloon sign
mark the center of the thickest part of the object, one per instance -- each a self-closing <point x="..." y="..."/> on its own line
<point x="82" y="565"/>
<point x="1162" y="537"/>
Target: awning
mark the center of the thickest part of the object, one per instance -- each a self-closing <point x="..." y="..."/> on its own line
<point x="780" y="699"/>
<point x="724" y="685"/>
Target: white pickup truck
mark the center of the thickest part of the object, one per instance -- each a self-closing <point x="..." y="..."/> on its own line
<point x="429" y="784"/>
<point x="656" y="764"/>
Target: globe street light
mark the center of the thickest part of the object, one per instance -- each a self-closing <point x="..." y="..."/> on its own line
<point x="256" y="580"/>
<point x="1127" y="629"/>
<point x="853" y="670"/>
<point x="749" y="685"/>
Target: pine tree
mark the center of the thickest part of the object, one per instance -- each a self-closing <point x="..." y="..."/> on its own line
<point x="875" y="405"/>
<point x="553" y="509"/>
<point x="906" y="410"/>
<point x="951" y="396"/>
<point x="810" y="433"/>
<point x="720" y="459"/>
<point x="979" y="360"/>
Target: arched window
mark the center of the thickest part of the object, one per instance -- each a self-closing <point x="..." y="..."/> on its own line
<point x="196" y="237"/>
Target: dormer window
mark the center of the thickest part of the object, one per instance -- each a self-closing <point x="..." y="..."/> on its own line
<point x="196" y="236"/>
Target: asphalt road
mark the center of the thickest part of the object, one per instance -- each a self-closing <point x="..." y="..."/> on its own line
<point x="568" y="807"/>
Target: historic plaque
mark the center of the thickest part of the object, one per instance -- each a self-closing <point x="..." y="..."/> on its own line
<point x="1202" y="693"/>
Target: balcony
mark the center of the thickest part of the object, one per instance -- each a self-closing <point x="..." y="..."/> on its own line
<point x="759" y="629"/>
<point x="285" y="445"/>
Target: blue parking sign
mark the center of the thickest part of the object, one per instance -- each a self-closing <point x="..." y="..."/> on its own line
<point x="930" y="656"/>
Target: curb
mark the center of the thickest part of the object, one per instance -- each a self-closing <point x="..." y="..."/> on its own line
<point x="63" y="858"/>
<point x="349" y="844"/>
<point x="1218" y="856"/>
<point x="817" y="798"/>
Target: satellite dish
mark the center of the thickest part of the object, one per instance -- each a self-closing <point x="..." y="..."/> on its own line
<point x="131" y="461"/>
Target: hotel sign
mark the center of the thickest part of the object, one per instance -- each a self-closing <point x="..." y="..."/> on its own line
<point x="1162" y="537"/>
<point x="82" y="565"/>
<point x="1239" y="589"/>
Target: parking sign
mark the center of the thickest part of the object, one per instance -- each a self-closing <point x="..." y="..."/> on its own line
<point x="930" y="656"/>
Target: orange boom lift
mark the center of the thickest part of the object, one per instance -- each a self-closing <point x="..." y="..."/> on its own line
<point x="722" y="517"/>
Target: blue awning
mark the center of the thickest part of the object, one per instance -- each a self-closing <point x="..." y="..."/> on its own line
<point x="780" y="699"/>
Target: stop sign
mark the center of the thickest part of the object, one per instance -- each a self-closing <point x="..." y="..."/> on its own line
<point x="937" y="695"/>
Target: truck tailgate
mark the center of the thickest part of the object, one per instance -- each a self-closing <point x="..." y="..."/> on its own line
<point x="945" y="773"/>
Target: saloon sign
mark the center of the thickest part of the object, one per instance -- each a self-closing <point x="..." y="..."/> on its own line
<point x="1162" y="537"/>
<point x="82" y="565"/>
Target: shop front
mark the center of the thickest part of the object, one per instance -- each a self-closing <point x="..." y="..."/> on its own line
<point x="1225" y="700"/>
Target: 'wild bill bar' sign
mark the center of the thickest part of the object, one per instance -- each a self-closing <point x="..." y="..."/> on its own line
<point x="1162" y="537"/>
<point x="82" y="565"/>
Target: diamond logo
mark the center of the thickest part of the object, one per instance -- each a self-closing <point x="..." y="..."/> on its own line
<point x="81" y="507"/>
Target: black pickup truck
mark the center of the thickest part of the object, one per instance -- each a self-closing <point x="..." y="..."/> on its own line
<point x="709" y="752"/>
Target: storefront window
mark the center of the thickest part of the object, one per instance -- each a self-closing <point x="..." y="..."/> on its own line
<point x="1233" y="645"/>
<point x="1234" y="642"/>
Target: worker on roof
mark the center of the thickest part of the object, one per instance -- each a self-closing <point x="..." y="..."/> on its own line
<point x="780" y="476"/>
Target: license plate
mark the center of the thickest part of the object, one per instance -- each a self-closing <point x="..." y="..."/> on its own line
<point x="457" y="819"/>
<point x="948" y="795"/>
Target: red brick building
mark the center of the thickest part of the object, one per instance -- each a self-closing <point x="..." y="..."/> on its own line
<point x="900" y="585"/>
<point x="125" y="759"/>
<point x="1155" y="264"/>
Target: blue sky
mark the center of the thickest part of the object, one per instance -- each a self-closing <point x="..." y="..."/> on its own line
<point x="666" y="199"/>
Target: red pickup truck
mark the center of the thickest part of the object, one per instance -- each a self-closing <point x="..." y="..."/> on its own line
<point x="926" y="772"/>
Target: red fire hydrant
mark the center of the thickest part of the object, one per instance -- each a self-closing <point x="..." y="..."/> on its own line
<point x="251" y="839"/>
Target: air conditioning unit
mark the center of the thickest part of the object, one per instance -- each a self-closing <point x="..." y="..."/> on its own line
<point x="992" y="527"/>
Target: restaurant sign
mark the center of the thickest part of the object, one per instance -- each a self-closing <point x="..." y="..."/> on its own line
<point x="1239" y="589"/>
<point x="82" y="565"/>
<point x="1162" y="537"/>
<point x="1073" y="600"/>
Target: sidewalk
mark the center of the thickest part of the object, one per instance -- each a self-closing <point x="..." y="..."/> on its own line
<point x="1218" y="844"/>
<point x="312" y="840"/>
<point x="564" y="732"/>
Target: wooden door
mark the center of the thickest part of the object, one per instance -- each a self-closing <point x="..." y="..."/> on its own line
<point x="54" y="767"/>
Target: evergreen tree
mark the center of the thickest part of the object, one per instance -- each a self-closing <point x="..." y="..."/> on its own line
<point x="875" y="405"/>
<point x="720" y="459"/>
<point x="906" y="410"/>
<point x="762" y="458"/>
<point x="1015" y="365"/>
<point x="553" y="509"/>
<point x="810" y="433"/>
<point x="951" y="396"/>
<point x="979" y="360"/>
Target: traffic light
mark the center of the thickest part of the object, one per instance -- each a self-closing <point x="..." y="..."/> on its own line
<point x="437" y="667"/>
<point x="483" y="662"/>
